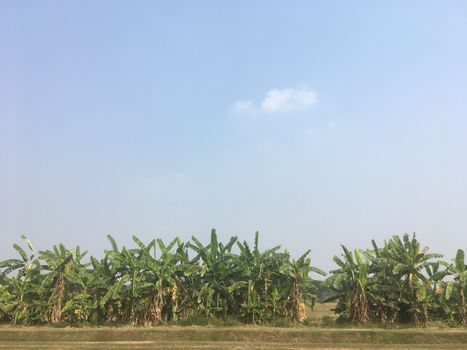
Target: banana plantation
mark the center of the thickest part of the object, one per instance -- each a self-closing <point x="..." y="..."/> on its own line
<point x="155" y="283"/>
<point x="164" y="282"/>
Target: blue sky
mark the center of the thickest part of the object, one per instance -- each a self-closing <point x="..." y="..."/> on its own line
<point x="317" y="123"/>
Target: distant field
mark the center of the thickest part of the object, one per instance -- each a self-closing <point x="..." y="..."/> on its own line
<point x="322" y="313"/>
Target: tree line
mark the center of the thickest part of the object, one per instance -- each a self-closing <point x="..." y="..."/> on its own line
<point x="161" y="282"/>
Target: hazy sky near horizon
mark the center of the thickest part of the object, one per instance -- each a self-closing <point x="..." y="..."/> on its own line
<point x="315" y="122"/>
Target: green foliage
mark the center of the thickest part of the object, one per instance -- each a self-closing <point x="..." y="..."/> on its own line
<point x="454" y="296"/>
<point x="399" y="282"/>
<point x="225" y="283"/>
<point x="157" y="283"/>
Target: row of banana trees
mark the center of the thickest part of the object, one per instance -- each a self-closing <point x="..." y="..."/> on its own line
<point x="399" y="282"/>
<point x="155" y="283"/>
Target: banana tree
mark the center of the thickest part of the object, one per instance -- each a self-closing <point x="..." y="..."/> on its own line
<point x="218" y="278"/>
<point x="102" y="276"/>
<point x="351" y="285"/>
<point x="409" y="261"/>
<point x="436" y="300"/>
<point x="132" y="286"/>
<point x="458" y="286"/>
<point x="257" y="269"/>
<point x="20" y="297"/>
<point x="185" y="291"/>
<point x="23" y="265"/>
<point x="302" y="289"/>
<point x="165" y="274"/>
<point x="60" y="266"/>
<point x="385" y="287"/>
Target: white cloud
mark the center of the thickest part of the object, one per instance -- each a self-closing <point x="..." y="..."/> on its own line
<point x="279" y="100"/>
<point x="243" y="106"/>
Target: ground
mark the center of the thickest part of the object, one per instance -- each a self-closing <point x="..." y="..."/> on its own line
<point x="237" y="338"/>
<point x="320" y="334"/>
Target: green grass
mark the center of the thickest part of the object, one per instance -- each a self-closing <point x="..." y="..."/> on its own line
<point x="322" y="315"/>
<point x="322" y="310"/>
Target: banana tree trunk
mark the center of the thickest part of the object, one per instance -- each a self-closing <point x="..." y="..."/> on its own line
<point x="359" y="306"/>
<point x="56" y="312"/>
<point x="462" y="308"/>
<point x="295" y="302"/>
<point x="153" y="315"/>
<point x="414" y="314"/>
